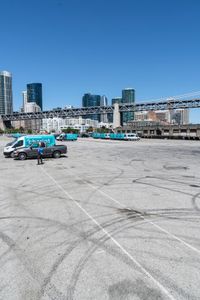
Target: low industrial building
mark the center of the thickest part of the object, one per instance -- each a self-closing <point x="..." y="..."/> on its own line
<point x="159" y="130"/>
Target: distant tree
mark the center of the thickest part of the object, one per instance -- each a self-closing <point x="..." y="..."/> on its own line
<point x="29" y="131"/>
<point x="1" y="131"/>
<point x="76" y="131"/>
<point x="90" y="129"/>
<point x="21" y="129"/>
<point x="103" y="129"/>
<point x="67" y="130"/>
<point x="70" y="130"/>
<point x="12" y="130"/>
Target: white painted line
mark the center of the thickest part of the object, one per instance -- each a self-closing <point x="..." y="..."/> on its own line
<point x="174" y="236"/>
<point x="100" y="251"/>
<point x="143" y="218"/>
<point x="161" y="287"/>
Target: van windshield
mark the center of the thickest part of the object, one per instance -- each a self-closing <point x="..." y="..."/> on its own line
<point x="18" y="144"/>
<point x="11" y="143"/>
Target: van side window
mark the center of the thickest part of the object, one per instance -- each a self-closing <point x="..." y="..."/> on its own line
<point x="18" y="144"/>
<point x="43" y="145"/>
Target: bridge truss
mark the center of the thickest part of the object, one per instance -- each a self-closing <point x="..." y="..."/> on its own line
<point x="84" y="111"/>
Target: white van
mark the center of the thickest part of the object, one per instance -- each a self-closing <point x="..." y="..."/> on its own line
<point x="131" y="137"/>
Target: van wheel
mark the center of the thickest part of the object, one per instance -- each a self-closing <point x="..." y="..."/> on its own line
<point x="56" y="154"/>
<point x="12" y="154"/>
<point x="22" y="156"/>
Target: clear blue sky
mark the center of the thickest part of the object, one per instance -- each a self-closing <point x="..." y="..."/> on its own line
<point x="101" y="46"/>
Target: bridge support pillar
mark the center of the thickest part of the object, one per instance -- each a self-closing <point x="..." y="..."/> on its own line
<point x="116" y="116"/>
<point x="4" y="124"/>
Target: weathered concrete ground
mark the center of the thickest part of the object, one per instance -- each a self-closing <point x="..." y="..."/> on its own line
<point x="112" y="220"/>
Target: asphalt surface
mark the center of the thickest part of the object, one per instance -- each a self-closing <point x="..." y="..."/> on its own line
<point x="112" y="220"/>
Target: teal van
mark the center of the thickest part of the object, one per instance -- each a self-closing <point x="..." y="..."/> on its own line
<point x="28" y="141"/>
<point x="67" y="137"/>
<point x="34" y="140"/>
<point x="96" y="135"/>
<point x="117" y="136"/>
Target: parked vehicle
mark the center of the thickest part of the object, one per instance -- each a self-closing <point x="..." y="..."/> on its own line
<point x="67" y="137"/>
<point x="104" y="136"/>
<point x="107" y="136"/>
<point x="97" y="135"/>
<point x="131" y="137"/>
<point x="54" y="151"/>
<point x="26" y="142"/>
<point x="117" y="136"/>
<point x="17" y="135"/>
<point x="84" y="135"/>
<point x="10" y="143"/>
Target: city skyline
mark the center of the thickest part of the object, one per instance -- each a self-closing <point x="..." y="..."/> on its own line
<point x="32" y="101"/>
<point x="102" y="47"/>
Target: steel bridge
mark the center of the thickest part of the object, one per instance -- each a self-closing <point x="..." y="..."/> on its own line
<point x="84" y="111"/>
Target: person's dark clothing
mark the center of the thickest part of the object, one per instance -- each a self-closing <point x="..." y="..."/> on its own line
<point x="40" y="151"/>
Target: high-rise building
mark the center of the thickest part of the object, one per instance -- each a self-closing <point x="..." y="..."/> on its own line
<point x="128" y="96"/>
<point x="24" y="96"/>
<point x="185" y="116"/>
<point x="180" y="116"/>
<point x="34" y="93"/>
<point x="34" y="124"/>
<point x="6" y="99"/>
<point x="116" y="100"/>
<point x="89" y="100"/>
<point x="104" y="101"/>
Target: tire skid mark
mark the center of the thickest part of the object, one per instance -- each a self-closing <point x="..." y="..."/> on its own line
<point x="100" y="243"/>
<point x="126" y="253"/>
<point x="142" y="217"/>
<point x="102" y="238"/>
<point x="20" y="255"/>
<point x="83" y="236"/>
<point x="100" y="187"/>
<point x="174" y="214"/>
<point x="194" y="202"/>
<point x="34" y="272"/>
<point x="138" y="180"/>
<point x="168" y="180"/>
<point x="96" y="244"/>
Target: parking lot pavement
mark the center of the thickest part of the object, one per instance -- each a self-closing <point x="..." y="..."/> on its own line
<point x="111" y="220"/>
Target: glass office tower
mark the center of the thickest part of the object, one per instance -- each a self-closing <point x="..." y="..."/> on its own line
<point x="6" y="98"/>
<point x="89" y="100"/>
<point x="116" y="100"/>
<point x="104" y="101"/>
<point x="34" y="93"/>
<point x="128" y="96"/>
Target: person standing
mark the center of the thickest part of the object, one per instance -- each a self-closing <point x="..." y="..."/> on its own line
<point x="40" y="152"/>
